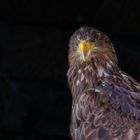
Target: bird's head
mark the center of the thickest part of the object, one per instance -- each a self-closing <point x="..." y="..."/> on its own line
<point x="89" y="45"/>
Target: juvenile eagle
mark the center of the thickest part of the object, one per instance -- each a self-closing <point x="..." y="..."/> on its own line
<point x="106" y="101"/>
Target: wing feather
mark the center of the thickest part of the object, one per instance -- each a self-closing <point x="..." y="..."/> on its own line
<point x="89" y="115"/>
<point x="122" y="95"/>
<point x="97" y="120"/>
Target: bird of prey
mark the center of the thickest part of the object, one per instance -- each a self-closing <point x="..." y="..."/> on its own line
<point x="106" y="101"/>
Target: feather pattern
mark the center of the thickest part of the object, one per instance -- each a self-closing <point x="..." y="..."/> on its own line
<point x="106" y="101"/>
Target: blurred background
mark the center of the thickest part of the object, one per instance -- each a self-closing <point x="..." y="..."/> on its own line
<point x="35" y="100"/>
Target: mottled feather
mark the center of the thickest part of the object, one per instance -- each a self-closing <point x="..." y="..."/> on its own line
<point x="106" y="101"/>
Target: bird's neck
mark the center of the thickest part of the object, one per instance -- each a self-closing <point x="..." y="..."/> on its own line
<point x="88" y="75"/>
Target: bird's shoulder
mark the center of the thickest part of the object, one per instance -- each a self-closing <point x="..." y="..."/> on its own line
<point x="123" y="94"/>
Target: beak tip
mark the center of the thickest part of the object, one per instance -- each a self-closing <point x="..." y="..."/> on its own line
<point x="83" y="57"/>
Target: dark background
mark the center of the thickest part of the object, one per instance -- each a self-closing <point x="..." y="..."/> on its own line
<point x="35" y="100"/>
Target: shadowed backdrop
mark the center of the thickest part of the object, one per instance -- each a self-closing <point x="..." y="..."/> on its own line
<point x="35" y="100"/>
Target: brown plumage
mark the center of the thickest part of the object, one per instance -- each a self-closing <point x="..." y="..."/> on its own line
<point x="106" y="101"/>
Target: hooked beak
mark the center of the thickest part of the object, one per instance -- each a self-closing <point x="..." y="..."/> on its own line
<point x="85" y="49"/>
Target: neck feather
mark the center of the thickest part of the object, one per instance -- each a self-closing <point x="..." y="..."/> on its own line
<point x="87" y="75"/>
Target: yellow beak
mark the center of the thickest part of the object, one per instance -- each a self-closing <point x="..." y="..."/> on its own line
<point x="85" y="48"/>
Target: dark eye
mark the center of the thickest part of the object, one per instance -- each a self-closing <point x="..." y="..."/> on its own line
<point x="98" y="43"/>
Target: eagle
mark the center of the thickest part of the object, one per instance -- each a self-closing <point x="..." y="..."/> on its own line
<point x="105" y="100"/>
